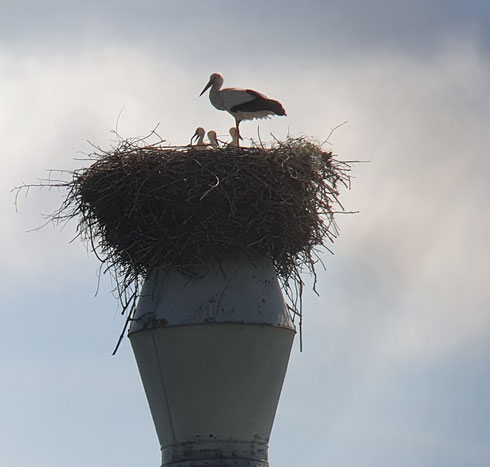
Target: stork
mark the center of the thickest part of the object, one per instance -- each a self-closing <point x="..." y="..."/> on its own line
<point x="235" y="137"/>
<point x="198" y="136"/>
<point x="213" y="139"/>
<point x="243" y="104"/>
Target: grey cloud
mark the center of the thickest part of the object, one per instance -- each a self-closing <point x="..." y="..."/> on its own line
<point x="254" y="32"/>
<point x="394" y="350"/>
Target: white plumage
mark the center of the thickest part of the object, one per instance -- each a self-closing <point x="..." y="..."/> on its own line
<point x="213" y="139"/>
<point x="198" y="136"/>
<point x="243" y="104"/>
<point x="234" y="137"/>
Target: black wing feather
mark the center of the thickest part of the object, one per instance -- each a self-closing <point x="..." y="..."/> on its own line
<point x="258" y="104"/>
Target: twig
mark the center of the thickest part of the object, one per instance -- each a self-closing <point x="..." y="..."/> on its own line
<point x="331" y="132"/>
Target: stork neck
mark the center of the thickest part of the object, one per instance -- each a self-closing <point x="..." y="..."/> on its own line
<point x="215" y="96"/>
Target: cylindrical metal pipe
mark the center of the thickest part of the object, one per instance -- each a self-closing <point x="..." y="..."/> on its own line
<point x="212" y="347"/>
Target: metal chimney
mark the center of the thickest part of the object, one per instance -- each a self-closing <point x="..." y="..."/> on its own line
<point x="212" y="348"/>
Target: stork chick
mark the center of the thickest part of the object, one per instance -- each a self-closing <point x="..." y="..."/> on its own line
<point x="199" y="137"/>
<point x="213" y="139"/>
<point x="235" y="137"/>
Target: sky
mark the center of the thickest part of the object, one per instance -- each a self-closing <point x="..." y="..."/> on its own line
<point x="395" y="368"/>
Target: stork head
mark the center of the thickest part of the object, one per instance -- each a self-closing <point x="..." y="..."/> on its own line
<point x="215" y="79"/>
<point x="213" y="139"/>
<point x="199" y="134"/>
<point x="235" y="136"/>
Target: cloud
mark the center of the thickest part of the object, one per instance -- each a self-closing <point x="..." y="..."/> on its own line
<point x="253" y="33"/>
<point x="402" y="300"/>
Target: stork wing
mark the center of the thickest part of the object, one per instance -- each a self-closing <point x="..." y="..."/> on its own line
<point x="256" y="94"/>
<point x="234" y="96"/>
<point x="259" y="103"/>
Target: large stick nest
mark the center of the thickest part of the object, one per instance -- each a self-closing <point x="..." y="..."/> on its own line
<point x="147" y="206"/>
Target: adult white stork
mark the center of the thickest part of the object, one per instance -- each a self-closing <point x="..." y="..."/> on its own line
<point x="213" y="139"/>
<point x="198" y="136"/>
<point x="243" y="104"/>
<point x="235" y="137"/>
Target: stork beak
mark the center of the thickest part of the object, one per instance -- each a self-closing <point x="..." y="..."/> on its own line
<point x="207" y="87"/>
<point x="194" y="136"/>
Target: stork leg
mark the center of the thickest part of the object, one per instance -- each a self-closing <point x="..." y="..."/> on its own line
<point x="237" y="123"/>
